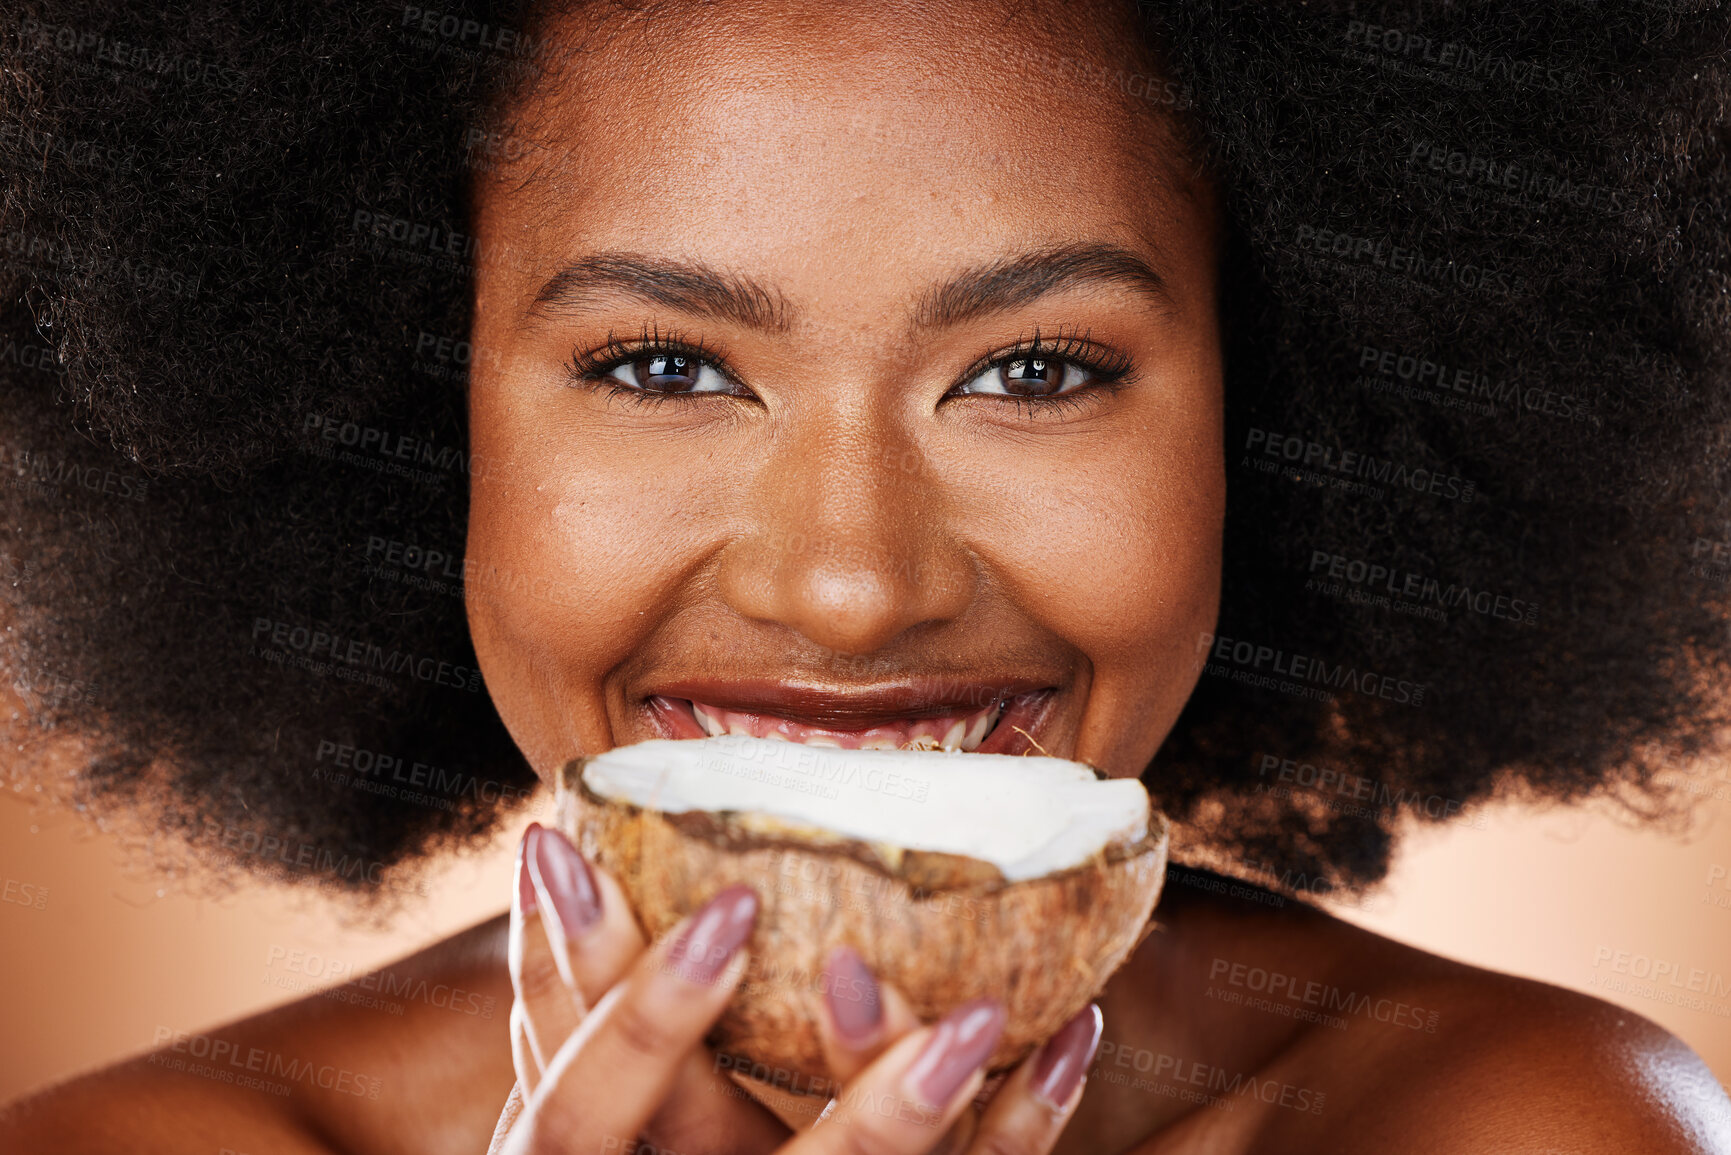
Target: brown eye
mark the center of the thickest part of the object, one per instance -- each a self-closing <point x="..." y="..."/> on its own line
<point x="670" y="373"/>
<point x="1030" y="377"/>
<point x="1034" y="377"/>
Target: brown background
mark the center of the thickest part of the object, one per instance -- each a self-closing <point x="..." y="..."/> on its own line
<point x="117" y="951"/>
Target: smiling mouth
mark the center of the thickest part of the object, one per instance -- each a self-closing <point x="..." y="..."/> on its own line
<point x="944" y="732"/>
<point x="1002" y="726"/>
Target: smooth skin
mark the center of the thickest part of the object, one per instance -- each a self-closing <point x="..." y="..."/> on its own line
<point x="855" y="219"/>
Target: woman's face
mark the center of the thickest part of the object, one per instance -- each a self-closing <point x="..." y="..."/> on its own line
<point x="839" y="366"/>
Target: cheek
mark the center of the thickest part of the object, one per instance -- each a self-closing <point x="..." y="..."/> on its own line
<point x="573" y="553"/>
<point x="1125" y="565"/>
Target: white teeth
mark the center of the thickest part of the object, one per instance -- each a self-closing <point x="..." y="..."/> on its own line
<point x="952" y="739"/>
<point x="962" y="734"/>
<point x="977" y="732"/>
<point x="704" y="719"/>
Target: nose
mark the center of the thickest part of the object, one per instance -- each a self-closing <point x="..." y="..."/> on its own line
<point x="849" y="545"/>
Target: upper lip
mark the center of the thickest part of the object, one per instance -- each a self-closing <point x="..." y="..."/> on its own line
<point x="851" y="707"/>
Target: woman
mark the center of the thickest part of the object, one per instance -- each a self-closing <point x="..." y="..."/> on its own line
<point x="1227" y="395"/>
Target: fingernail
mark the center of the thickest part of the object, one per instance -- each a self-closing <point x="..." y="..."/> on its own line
<point x="715" y="931"/>
<point x="525" y="885"/>
<point x="1065" y="1057"/>
<point x="961" y="1044"/>
<point x="564" y="877"/>
<point x="852" y="995"/>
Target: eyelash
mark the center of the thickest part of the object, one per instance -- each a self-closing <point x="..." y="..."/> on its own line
<point x="1107" y="368"/>
<point x="590" y="369"/>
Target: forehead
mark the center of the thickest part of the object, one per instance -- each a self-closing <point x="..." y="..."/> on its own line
<point x="758" y="134"/>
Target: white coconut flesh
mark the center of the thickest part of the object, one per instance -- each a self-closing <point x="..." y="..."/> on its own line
<point x="1027" y="815"/>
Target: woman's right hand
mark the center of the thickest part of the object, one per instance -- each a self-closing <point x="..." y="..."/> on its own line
<point x="607" y="1035"/>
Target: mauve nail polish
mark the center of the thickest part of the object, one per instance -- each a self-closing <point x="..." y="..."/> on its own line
<point x="716" y="930"/>
<point x="852" y="995"/>
<point x="963" y="1041"/>
<point x="1064" y="1059"/>
<point x="565" y="878"/>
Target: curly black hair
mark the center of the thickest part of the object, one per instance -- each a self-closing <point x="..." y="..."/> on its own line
<point x="1477" y="299"/>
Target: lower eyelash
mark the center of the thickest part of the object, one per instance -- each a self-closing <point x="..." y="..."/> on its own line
<point x="639" y="398"/>
<point x="1075" y="400"/>
<point x="590" y="370"/>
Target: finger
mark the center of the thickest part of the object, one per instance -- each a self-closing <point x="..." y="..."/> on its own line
<point x="523" y="1060"/>
<point x="507" y="1119"/>
<point x="1030" y="1110"/>
<point x="706" y="1113"/>
<point x="586" y="920"/>
<point x="860" y="1017"/>
<point x="613" y="1073"/>
<point x="705" y="1106"/>
<point x="914" y="1092"/>
<point x="572" y="936"/>
<point x="544" y="1010"/>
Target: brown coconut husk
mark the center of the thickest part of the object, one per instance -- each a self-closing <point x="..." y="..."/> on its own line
<point x="941" y="928"/>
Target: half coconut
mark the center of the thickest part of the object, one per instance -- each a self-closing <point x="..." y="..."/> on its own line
<point x="954" y="875"/>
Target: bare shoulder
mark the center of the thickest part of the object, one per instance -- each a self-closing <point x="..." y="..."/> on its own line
<point x="1499" y="1063"/>
<point x="1279" y="1027"/>
<point x="413" y="1057"/>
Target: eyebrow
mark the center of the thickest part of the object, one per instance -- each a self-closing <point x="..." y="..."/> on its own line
<point x="691" y="287"/>
<point x="700" y="290"/>
<point x="1014" y="281"/>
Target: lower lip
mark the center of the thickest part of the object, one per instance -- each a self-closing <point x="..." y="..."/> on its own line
<point x="1021" y="719"/>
